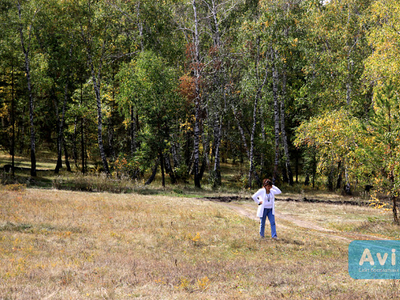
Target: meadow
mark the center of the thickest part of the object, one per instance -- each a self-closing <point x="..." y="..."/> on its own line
<point x="57" y="244"/>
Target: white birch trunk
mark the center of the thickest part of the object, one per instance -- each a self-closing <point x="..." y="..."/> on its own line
<point x="255" y="108"/>
<point x="196" y="63"/>
<point x="96" y="86"/>
<point x="276" y="117"/>
<point x="283" y="130"/>
<point x="26" y="51"/>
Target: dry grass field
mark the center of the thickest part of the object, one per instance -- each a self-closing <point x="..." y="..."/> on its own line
<point x="75" y="245"/>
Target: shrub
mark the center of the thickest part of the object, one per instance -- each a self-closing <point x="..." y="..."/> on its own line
<point x="124" y="166"/>
<point x="95" y="183"/>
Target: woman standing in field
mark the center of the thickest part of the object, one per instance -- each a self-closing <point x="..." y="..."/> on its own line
<point x="265" y="198"/>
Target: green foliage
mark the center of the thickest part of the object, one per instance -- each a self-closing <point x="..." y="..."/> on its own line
<point x="334" y="48"/>
<point x="337" y="137"/>
<point x="341" y="98"/>
<point x="125" y="166"/>
<point x="385" y="128"/>
<point x="150" y="86"/>
<point x="383" y="64"/>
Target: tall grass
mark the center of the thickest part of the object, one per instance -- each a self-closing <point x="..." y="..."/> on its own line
<point x="76" y="245"/>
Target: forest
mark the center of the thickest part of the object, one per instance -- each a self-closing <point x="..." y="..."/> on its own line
<point x="294" y="89"/>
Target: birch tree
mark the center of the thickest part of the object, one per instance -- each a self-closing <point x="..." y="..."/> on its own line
<point x="217" y="74"/>
<point x="96" y="32"/>
<point x="382" y="70"/>
<point x="278" y="31"/>
<point x="56" y="43"/>
<point x="25" y="29"/>
<point x="10" y="79"/>
<point x="335" y="50"/>
<point x="197" y="70"/>
<point x="188" y="21"/>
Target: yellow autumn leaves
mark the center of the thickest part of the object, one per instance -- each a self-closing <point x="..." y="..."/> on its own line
<point x="338" y="136"/>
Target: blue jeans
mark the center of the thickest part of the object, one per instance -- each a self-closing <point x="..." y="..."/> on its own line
<point x="271" y="218"/>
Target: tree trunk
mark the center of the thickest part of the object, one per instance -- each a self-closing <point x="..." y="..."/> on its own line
<point x="110" y="129"/>
<point x="66" y="157"/>
<point x="133" y="139"/>
<point x="162" y="169"/>
<point x="174" y="153"/>
<point x="96" y="86"/>
<point x="196" y="65"/>
<point x="169" y="169"/>
<point x="284" y="171"/>
<point x="297" y="166"/>
<point x="12" y="121"/>
<point x="347" y="187"/>
<point x="83" y="150"/>
<point x="153" y="174"/>
<point x="241" y="131"/>
<point x="21" y="134"/>
<point x="188" y="152"/>
<point x="196" y="149"/>
<point x="394" y="209"/>
<point x="276" y="118"/>
<point x="307" y="180"/>
<point x="393" y="198"/>
<point x="263" y="138"/>
<point x="216" y="173"/>
<point x="253" y="130"/>
<point x="62" y="121"/>
<point x="61" y="129"/>
<point x="217" y="38"/>
<point x="217" y="141"/>
<point x="203" y="168"/>
<point x="59" y="142"/>
<point x="283" y="130"/>
<point x="314" y="166"/>
<point x="26" y="51"/>
<point x="205" y="162"/>
<point x="74" y="147"/>
<point x="330" y="178"/>
<point x="339" y="178"/>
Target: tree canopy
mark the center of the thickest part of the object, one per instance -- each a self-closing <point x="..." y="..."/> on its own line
<point x="291" y="89"/>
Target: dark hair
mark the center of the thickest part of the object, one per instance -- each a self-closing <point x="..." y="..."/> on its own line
<point x="267" y="182"/>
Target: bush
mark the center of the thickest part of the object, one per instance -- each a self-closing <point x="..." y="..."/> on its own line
<point x="124" y="166"/>
<point x="16" y="187"/>
<point x="95" y="183"/>
<point x="181" y="172"/>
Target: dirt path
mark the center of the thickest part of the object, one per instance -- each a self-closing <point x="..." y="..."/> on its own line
<point x="337" y="235"/>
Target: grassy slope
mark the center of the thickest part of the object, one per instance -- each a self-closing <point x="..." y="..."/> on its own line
<point x="74" y="245"/>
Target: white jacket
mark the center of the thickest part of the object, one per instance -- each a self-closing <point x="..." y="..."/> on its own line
<point x="262" y="194"/>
